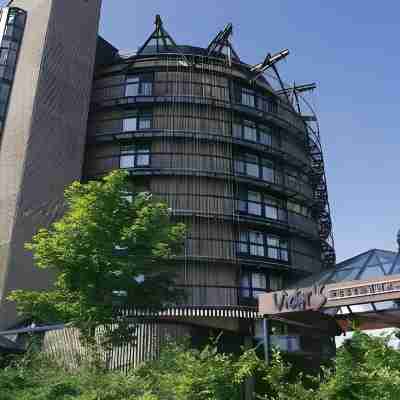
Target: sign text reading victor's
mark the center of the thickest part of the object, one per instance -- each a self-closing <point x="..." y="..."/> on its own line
<point x="299" y="299"/>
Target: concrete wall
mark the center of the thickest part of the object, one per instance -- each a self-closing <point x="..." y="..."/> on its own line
<point x="44" y="136"/>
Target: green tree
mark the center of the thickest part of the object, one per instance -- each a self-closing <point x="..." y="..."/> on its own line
<point x="107" y="249"/>
<point x="366" y="367"/>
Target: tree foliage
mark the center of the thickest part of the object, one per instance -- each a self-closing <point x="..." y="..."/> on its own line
<point x="100" y="250"/>
<point x="366" y="369"/>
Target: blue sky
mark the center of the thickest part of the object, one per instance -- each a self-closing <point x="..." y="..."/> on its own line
<point x="351" y="49"/>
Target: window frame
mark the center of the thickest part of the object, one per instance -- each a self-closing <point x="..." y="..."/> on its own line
<point x="282" y="248"/>
<point x="134" y="153"/>
<point x="142" y="81"/>
<point x="251" y="291"/>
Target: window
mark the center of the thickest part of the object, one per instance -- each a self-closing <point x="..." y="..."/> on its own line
<point x="127" y="159"/>
<point x="249" y="131"/>
<point x="265" y="135"/>
<point x="243" y="243"/>
<point x="129" y="124"/>
<point x="258" y="244"/>
<point x="268" y="171"/>
<point x="142" y="121"/>
<point x="298" y="209"/>
<point x="139" y="85"/>
<point x="134" y="156"/>
<point x="237" y="130"/>
<point x="277" y="248"/>
<point x="271" y="208"/>
<point x="256" y="241"/>
<point x="248" y="97"/>
<point x="143" y="156"/>
<point x="247" y="165"/>
<point x="253" y="283"/>
<point x="132" y="86"/>
<point x="254" y="203"/>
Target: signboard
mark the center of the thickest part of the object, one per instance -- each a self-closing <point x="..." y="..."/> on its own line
<point x="294" y="300"/>
<point x="332" y="295"/>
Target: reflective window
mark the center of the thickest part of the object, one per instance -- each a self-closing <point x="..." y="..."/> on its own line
<point x="129" y="124"/>
<point x="139" y="85"/>
<point x="133" y="156"/>
<point x="254" y="203"/>
<point x="253" y="283"/>
<point x="265" y="136"/>
<point x="271" y="208"/>
<point x="372" y="272"/>
<point x="258" y="244"/>
<point x="247" y="165"/>
<point x="268" y="171"/>
<point x="248" y="97"/>
<point x="256" y="240"/>
<point x="249" y="131"/>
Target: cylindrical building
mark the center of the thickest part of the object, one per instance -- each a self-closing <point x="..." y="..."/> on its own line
<point x="233" y="157"/>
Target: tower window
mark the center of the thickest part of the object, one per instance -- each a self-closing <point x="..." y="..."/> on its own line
<point x="253" y="283"/>
<point x="139" y="85"/>
<point x="134" y="156"/>
<point x="259" y="244"/>
<point x="248" y="97"/>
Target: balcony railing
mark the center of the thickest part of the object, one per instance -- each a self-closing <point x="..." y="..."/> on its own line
<point x="199" y="164"/>
<point x="220" y="295"/>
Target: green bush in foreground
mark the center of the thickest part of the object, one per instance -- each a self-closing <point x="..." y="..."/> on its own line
<point x="366" y="368"/>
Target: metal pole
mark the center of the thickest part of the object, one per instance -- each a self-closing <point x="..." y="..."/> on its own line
<point x="266" y="339"/>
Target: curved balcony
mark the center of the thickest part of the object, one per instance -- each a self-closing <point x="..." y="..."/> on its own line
<point x="276" y="152"/>
<point x="218" y="250"/>
<point x="196" y="93"/>
<point x="262" y="214"/>
<point x="197" y="164"/>
<point x="204" y="301"/>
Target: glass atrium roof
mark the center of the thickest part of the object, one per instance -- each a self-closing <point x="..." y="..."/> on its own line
<point x="371" y="264"/>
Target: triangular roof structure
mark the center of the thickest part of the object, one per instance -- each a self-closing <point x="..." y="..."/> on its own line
<point x="221" y="44"/>
<point x="159" y="41"/>
<point x="374" y="263"/>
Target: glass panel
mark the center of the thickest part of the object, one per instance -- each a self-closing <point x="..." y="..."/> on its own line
<point x="144" y="123"/>
<point x="132" y="79"/>
<point x="254" y="205"/>
<point x="359" y="308"/>
<point x="127" y="161"/>
<point x="250" y="133"/>
<point x="268" y="172"/>
<point x="284" y="255"/>
<point x="265" y="138"/>
<point x="243" y="205"/>
<point x="237" y="130"/>
<point x="356" y="262"/>
<point x="147" y="89"/>
<point x="344" y="275"/>
<point x="248" y="98"/>
<point x="130" y="124"/>
<point x="252" y="170"/>
<point x="271" y="212"/>
<point x="131" y="90"/>
<point x="243" y="245"/>
<point x="256" y="244"/>
<point x="4" y="92"/>
<point x="245" y="285"/>
<point x="372" y="272"/>
<point x="239" y="167"/>
<point x="143" y="157"/>
<point x="386" y="305"/>
<point x="259" y="281"/>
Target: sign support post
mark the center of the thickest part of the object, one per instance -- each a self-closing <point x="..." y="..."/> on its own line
<point x="266" y="339"/>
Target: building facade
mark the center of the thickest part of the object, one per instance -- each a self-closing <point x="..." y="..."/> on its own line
<point x="230" y="151"/>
